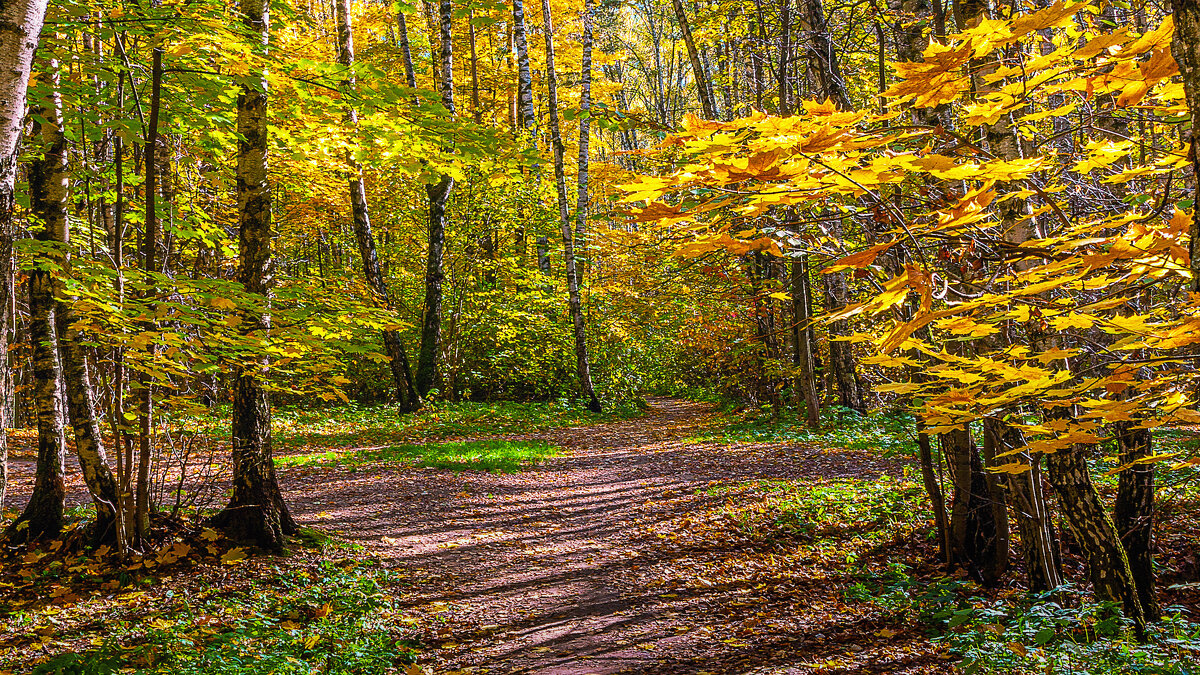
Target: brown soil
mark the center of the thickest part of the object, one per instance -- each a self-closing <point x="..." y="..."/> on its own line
<point x="584" y="564"/>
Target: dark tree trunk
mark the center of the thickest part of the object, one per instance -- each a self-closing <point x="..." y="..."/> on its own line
<point x="256" y="512"/>
<point x="438" y="195"/>
<point x="933" y="489"/>
<point x="703" y="86"/>
<point x="1133" y="512"/>
<point x="142" y="504"/>
<point x="841" y="353"/>
<point x="828" y="67"/>
<point x="1185" y="47"/>
<point x="973" y="527"/>
<point x="802" y="346"/>
<point x="43" y="515"/>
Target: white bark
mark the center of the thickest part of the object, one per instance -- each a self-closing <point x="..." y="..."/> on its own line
<point x="20" y="26"/>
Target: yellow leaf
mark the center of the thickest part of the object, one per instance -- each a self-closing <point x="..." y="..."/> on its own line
<point x="233" y="556"/>
<point x="1012" y="467"/>
<point x="1067" y="321"/>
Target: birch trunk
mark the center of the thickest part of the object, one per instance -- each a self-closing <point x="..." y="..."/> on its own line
<point x="20" y="28"/>
<point x="438" y="195"/>
<point x="575" y="303"/>
<point x="81" y="409"/>
<point x="525" y="115"/>
<point x="406" y="393"/>
<point x="43" y="515"/>
<point x="256" y="511"/>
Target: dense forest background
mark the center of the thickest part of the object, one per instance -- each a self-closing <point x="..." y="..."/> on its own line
<point x="975" y="217"/>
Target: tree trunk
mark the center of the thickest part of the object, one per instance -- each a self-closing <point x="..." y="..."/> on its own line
<point x="973" y="528"/>
<point x="20" y="28"/>
<point x="841" y="353"/>
<point x="1133" y="512"/>
<point x="476" y="110"/>
<point x="802" y="346"/>
<point x="934" y="490"/>
<point x="406" y="393"/>
<point x="43" y="515"/>
<point x="438" y="194"/>
<point x="1185" y="47"/>
<point x="256" y="511"/>
<point x="525" y="115"/>
<point x="785" y="48"/>
<point x="89" y="442"/>
<point x="703" y="88"/>
<point x="574" y="302"/>
<point x="837" y="288"/>
<point x="410" y="76"/>
<point x="142" y="504"/>
<point x="1039" y="541"/>
<point x="1095" y="532"/>
<point x="828" y="67"/>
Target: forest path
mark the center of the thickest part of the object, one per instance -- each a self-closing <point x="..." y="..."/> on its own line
<point x="572" y="567"/>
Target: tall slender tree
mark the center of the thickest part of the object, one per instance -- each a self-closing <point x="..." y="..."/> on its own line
<point x="256" y="510"/>
<point x="406" y="393"/>
<point x="708" y="107"/>
<point x="525" y="113"/>
<point x="438" y="194"/>
<point x="20" y="28"/>
<point x="574" y="300"/>
<point x="43" y="514"/>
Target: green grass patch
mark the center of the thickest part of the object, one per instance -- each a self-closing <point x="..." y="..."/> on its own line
<point x="824" y="511"/>
<point x="889" y="434"/>
<point x="495" y="456"/>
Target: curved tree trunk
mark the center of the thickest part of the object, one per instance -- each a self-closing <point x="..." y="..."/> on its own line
<point x="89" y="442"/>
<point x="256" y="511"/>
<point x="703" y="86"/>
<point x="1094" y="531"/>
<point x="406" y="393"/>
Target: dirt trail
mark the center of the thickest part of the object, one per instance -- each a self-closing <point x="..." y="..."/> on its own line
<point x="566" y="569"/>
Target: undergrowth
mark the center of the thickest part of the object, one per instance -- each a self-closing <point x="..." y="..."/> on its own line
<point x="1014" y="633"/>
<point x="202" y="608"/>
